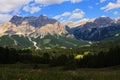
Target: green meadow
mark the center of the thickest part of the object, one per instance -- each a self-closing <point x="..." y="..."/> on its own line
<point x="44" y="72"/>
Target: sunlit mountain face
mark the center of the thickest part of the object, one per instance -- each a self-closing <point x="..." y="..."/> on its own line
<point x="41" y="24"/>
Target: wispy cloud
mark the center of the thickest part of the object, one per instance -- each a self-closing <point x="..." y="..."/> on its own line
<point x="70" y="16"/>
<point x="12" y="5"/>
<point x="111" y="6"/>
<point x="65" y="14"/>
<point x="50" y="2"/>
<point x="31" y="9"/>
<point x="102" y="1"/>
<point x="75" y="1"/>
<point x="77" y="14"/>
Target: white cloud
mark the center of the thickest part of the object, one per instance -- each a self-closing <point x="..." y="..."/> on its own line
<point x="70" y="16"/>
<point x="74" y="1"/>
<point x="77" y="14"/>
<point x="66" y="14"/>
<point x="4" y="18"/>
<point x="103" y="16"/>
<point x="50" y="2"/>
<point x="7" y="6"/>
<point x="35" y="9"/>
<point x="31" y="9"/>
<point x="102" y="1"/>
<point x="57" y="17"/>
<point x="12" y="5"/>
<point x="111" y="6"/>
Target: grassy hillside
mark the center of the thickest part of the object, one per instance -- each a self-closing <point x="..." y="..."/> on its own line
<point x="48" y="42"/>
<point x="15" y="41"/>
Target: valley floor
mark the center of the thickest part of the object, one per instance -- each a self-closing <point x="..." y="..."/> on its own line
<point x="44" y="72"/>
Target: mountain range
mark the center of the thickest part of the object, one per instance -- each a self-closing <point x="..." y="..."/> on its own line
<point x="97" y="29"/>
<point x="46" y="33"/>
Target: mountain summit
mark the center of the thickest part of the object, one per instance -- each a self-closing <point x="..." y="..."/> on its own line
<point x="33" y="21"/>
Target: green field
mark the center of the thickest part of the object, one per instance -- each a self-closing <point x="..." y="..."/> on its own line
<point x="44" y="72"/>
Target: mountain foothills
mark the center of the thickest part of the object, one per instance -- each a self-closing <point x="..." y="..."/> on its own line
<point x="45" y="33"/>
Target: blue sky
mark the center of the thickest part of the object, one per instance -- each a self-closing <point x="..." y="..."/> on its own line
<point x="62" y="10"/>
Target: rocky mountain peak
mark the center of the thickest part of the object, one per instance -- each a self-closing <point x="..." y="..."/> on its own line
<point x="101" y="21"/>
<point x="17" y="20"/>
<point x="43" y="17"/>
<point x="33" y="21"/>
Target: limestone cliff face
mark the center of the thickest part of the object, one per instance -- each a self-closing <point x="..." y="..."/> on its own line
<point x="5" y="27"/>
<point x="11" y="29"/>
<point x="27" y="30"/>
<point x="53" y="29"/>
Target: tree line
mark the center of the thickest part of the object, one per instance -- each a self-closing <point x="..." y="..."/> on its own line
<point x="59" y="57"/>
